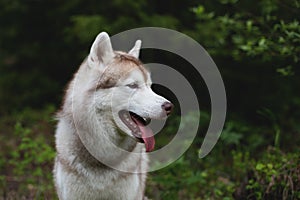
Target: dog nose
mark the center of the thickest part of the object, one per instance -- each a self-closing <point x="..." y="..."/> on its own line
<point x="168" y="107"/>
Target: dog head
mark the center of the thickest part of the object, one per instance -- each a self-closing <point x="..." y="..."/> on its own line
<point x="123" y="88"/>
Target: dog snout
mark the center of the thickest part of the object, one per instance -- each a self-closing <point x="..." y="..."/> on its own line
<point x="168" y="107"/>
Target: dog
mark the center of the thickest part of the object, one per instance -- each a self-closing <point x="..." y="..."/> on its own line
<point x="102" y="134"/>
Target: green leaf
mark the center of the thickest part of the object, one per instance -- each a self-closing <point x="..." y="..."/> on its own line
<point x="260" y="166"/>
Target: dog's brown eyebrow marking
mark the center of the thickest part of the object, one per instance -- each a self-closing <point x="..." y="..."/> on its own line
<point x="123" y="58"/>
<point x="125" y="63"/>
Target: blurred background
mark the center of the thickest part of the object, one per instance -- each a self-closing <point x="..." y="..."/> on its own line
<point x="255" y="45"/>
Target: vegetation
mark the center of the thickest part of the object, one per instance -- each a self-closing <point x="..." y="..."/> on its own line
<point x="255" y="44"/>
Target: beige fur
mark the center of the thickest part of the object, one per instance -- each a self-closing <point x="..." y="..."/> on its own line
<point x="86" y="125"/>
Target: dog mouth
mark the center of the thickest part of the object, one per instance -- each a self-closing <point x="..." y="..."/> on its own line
<point x="139" y="128"/>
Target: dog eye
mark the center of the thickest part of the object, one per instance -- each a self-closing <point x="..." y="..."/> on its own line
<point x="133" y="85"/>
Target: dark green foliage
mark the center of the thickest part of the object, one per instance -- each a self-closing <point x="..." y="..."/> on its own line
<point x="262" y="33"/>
<point x="271" y="175"/>
<point x="275" y="176"/>
<point x="28" y="154"/>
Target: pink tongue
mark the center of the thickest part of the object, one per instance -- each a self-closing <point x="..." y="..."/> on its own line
<point x="147" y="136"/>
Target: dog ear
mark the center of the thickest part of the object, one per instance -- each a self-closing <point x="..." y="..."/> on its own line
<point x="101" y="52"/>
<point x="135" y="51"/>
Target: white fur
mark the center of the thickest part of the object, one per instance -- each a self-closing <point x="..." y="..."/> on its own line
<point x="135" y="51"/>
<point x="101" y="52"/>
<point x="89" y="122"/>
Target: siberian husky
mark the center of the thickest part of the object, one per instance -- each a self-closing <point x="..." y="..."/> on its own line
<point x="108" y="104"/>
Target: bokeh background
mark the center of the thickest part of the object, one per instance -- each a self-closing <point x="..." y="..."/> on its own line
<point x="255" y="45"/>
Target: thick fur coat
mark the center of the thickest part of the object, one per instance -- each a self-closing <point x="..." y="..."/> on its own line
<point x="96" y="120"/>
